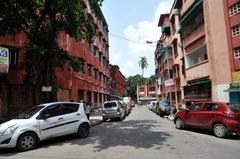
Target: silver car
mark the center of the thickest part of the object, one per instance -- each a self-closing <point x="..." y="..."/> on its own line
<point x="113" y="110"/>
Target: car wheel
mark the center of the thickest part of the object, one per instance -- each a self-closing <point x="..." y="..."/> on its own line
<point x="178" y="123"/>
<point x="27" y="141"/>
<point x="219" y="130"/>
<point x="104" y="119"/>
<point x="83" y="130"/>
<point x="161" y="114"/>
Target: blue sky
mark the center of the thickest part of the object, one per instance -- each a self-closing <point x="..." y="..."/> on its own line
<point x="135" y="20"/>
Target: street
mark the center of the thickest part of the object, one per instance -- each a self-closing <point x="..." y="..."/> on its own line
<point x="142" y="135"/>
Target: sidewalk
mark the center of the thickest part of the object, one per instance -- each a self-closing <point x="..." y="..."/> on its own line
<point x="95" y="119"/>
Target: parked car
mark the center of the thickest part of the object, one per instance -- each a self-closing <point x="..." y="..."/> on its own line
<point x="152" y="105"/>
<point x="113" y="110"/>
<point x="163" y="108"/>
<point x="43" y="122"/>
<point x="221" y="118"/>
<point x="128" y="102"/>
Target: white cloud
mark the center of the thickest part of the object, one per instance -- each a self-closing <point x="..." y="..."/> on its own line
<point x="115" y="57"/>
<point x="139" y="34"/>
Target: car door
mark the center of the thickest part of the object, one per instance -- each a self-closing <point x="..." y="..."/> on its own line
<point x="207" y="114"/>
<point x="192" y="115"/>
<point x="71" y="117"/>
<point x="53" y="125"/>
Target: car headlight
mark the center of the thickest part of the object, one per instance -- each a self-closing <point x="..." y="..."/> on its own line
<point x="10" y="130"/>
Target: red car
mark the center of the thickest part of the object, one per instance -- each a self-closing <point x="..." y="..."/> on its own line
<point x="221" y="118"/>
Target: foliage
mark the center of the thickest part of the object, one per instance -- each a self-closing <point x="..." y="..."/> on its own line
<point x="41" y="20"/>
<point x="143" y="63"/>
<point x="133" y="81"/>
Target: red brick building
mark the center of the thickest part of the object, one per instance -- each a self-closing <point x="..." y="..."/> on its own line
<point x="232" y="16"/>
<point x="92" y="83"/>
<point x="146" y="92"/>
<point x="118" y="84"/>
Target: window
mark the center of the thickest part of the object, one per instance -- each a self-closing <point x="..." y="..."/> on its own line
<point x="13" y="57"/>
<point x="82" y="66"/>
<point x="234" y="9"/>
<point x="141" y="89"/>
<point x="95" y="74"/>
<point x="152" y="89"/>
<point x="89" y="69"/>
<point x="69" y="108"/>
<point x="236" y="30"/>
<point x="210" y="107"/>
<point x="236" y="52"/>
<point x="194" y="108"/>
<point x="53" y="110"/>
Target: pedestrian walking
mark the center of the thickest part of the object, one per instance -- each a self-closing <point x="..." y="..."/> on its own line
<point x="88" y="109"/>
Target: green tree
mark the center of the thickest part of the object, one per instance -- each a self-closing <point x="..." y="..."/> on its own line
<point x="152" y="79"/>
<point x="41" y="21"/>
<point x="143" y="63"/>
<point x="132" y="82"/>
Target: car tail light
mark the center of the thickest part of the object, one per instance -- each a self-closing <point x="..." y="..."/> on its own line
<point x="231" y="115"/>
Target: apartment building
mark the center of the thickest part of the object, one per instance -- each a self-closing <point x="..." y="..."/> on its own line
<point x="203" y="41"/>
<point x="232" y="17"/>
<point x="146" y="92"/>
<point x="118" y="83"/>
<point x="92" y="83"/>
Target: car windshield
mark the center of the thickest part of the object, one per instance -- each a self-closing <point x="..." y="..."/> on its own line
<point x="28" y="114"/>
<point x="164" y="103"/>
<point x="110" y="105"/>
<point x="234" y="107"/>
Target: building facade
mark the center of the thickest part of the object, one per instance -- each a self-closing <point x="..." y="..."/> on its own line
<point x="118" y="83"/>
<point x="92" y="83"/>
<point x="146" y="92"/>
<point x="232" y="16"/>
<point x="202" y="49"/>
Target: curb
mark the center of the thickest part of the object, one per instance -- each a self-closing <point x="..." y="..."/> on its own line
<point x="93" y="123"/>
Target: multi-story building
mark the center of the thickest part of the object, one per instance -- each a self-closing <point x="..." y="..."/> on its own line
<point x="164" y="61"/>
<point x="204" y="40"/>
<point x="146" y="92"/>
<point x="92" y="83"/>
<point x="232" y="16"/>
<point x="118" y="83"/>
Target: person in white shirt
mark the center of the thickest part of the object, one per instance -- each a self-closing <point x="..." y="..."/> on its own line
<point x="88" y="110"/>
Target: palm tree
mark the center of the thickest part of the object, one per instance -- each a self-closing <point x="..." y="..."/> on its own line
<point x="143" y="63"/>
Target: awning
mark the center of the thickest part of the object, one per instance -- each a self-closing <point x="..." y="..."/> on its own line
<point x="232" y="90"/>
<point x="199" y="82"/>
<point x="189" y="13"/>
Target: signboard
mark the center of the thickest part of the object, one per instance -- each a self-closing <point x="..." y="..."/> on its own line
<point x="169" y="82"/>
<point x="46" y="89"/>
<point x="4" y="60"/>
<point x="236" y="78"/>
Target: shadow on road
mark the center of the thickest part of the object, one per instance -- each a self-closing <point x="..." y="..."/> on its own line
<point x="135" y="133"/>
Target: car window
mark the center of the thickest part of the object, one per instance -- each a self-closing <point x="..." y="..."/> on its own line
<point x="194" y="108"/>
<point x="53" y="110"/>
<point x="210" y="107"/>
<point x="110" y="105"/>
<point x="234" y="107"/>
<point x="69" y="108"/>
<point x="28" y="114"/>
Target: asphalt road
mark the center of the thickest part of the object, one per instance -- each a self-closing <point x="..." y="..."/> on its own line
<point x="142" y="135"/>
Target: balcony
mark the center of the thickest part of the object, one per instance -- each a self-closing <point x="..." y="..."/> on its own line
<point x="198" y="71"/>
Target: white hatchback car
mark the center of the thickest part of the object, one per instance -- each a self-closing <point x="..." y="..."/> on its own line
<point x="42" y="122"/>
